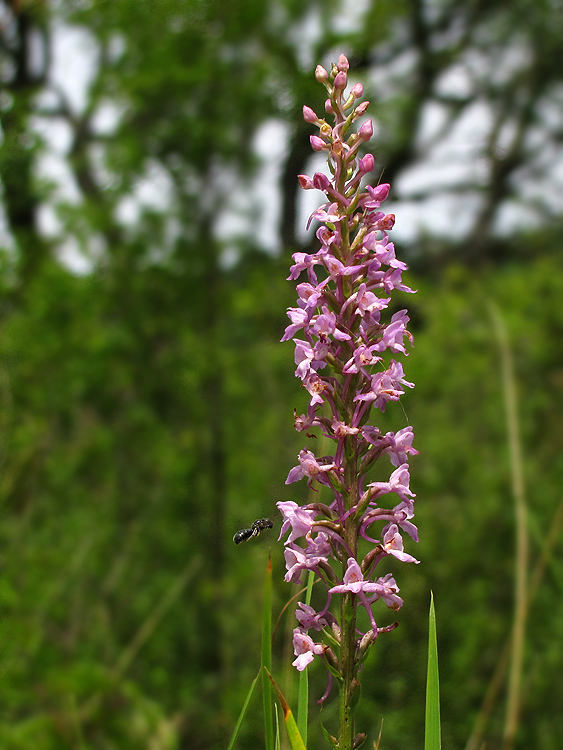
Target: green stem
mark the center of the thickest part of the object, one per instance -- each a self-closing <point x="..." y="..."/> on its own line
<point x="346" y="731"/>
<point x="348" y="686"/>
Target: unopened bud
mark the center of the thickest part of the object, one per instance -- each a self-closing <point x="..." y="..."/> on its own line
<point x="357" y="90"/>
<point x="365" y="643"/>
<point x="340" y="80"/>
<point x="361" y="108"/>
<point x="317" y="143"/>
<point x="343" y="63"/>
<point x="380" y="192"/>
<point x="368" y="559"/>
<point x="332" y="659"/>
<point x="366" y="164"/>
<point x="366" y="130"/>
<point x="309" y="115"/>
<point x="321" y="181"/>
<point x="355" y="693"/>
<point x="321" y="74"/>
<point x="328" y="107"/>
<point x="359" y="740"/>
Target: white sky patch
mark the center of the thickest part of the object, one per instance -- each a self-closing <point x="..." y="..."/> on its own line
<point x="455" y="82"/>
<point x="154" y="190"/>
<point x="349" y="18"/>
<point x="271" y="146"/>
<point x="442" y="215"/>
<point x="73" y="65"/>
<point x="256" y="204"/>
<point x="309" y="200"/>
<point x="513" y="215"/>
<point x="305" y="36"/>
<point x="51" y="164"/>
<point x="107" y="117"/>
<point x="6" y="240"/>
<point x="71" y="255"/>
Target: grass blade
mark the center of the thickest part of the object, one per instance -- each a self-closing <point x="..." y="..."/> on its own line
<point x="242" y="713"/>
<point x="521" y="557"/>
<point x="432" y="739"/>
<point x="295" y="739"/>
<point x="267" y="658"/>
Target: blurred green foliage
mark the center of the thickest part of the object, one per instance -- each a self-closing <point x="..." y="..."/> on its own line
<point x="146" y="405"/>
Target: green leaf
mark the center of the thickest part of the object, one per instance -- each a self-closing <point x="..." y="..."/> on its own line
<point x="267" y="658"/>
<point x="242" y="713"/>
<point x="432" y="740"/>
<point x="295" y="739"/>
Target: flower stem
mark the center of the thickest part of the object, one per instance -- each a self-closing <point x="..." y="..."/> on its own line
<point x="346" y="731"/>
<point x="348" y="685"/>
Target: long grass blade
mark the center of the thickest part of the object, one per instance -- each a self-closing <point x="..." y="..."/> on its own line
<point x="295" y="739"/>
<point x="243" y="713"/>
<point x="432" y="739"/>
<point x="267" y="658"/>
<point x="521" y="556"/>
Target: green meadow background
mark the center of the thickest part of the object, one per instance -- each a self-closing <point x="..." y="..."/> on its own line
<point x="146" y="404"/>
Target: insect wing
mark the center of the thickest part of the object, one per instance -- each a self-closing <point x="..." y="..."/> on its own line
<point x="261" y="525"/>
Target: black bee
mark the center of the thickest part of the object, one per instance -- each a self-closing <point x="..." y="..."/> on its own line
<point x="257" y="528"/>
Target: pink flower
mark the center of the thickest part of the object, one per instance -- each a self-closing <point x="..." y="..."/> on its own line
<point x="347" y="337"/>
<point x="305" y="649"/>
<point x="309" y="467"/>
<point x="393" y="545"/>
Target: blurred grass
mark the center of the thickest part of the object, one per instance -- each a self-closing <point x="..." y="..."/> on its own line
<point x="103" y="508"/>
<point x="432" y="732"/>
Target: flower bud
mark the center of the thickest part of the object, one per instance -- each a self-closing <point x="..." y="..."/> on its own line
<point x="331" y="658"/>
<point x="340" y="80"/>
<point x="366" y="164"/>
<point x="309" y="115"/>
<point x="361" y="108"/>
<point x="321" y="74"/>
<point x="321" y="181"/>
<point x="357" y="90"/>
<point x="365" y="643"/>
<point x="343" y="63"/>
<point x="359" y="740"/>
<point x="355" y="692"/>
<point x="380" y="192"/>
<point x="336" y="631"/>
<point x="317" y="143"/>
<point x="328" y="107"/>
<point x="369" y="558"/>
<point x="366" y="130"/>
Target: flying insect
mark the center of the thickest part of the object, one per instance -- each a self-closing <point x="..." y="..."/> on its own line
<point x="256" y="529"/>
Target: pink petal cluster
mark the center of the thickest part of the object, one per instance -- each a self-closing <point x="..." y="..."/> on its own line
<point x="346" y="341"/>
